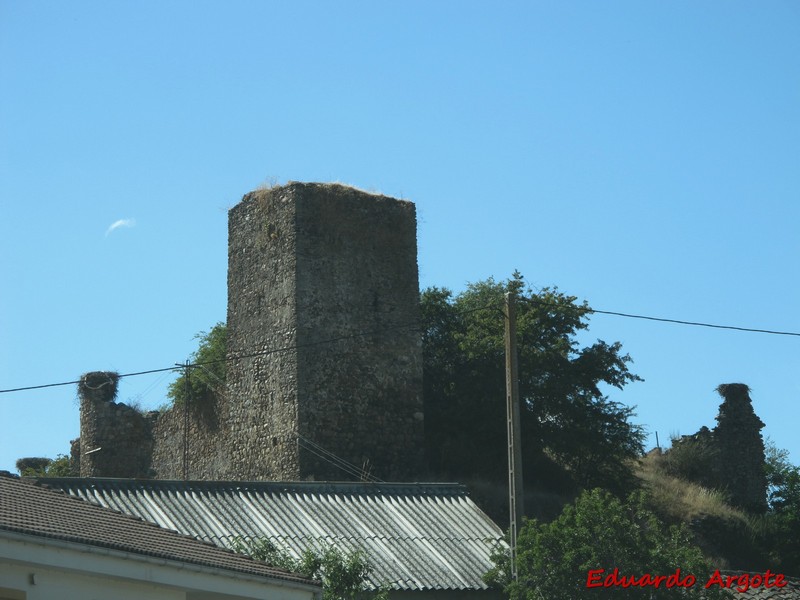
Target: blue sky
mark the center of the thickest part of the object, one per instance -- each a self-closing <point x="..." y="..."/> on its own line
<point x="640" y="155"/>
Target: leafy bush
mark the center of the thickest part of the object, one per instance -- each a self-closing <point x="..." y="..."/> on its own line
<point x="783" y="515"/>
<point x="208" y="372"/>
<point x="45" y="467"/>
<point x="601" y="532"/>
<point x="343" y="576"/>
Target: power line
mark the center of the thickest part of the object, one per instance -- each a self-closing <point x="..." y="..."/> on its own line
<point x="231" y="358"/>
<point x="495" y="305"/>
<point x="335" y="460"/>
<point x="49" y="385"/>
<point x="665" y="320"/>
<point x="694" y="323"/>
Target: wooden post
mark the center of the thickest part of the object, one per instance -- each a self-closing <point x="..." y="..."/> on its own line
<point x="515" y="495"/>
<point x="188" y="390"/>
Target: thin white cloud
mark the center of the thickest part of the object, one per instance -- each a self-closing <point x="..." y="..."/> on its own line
<point x="120" y="223"/>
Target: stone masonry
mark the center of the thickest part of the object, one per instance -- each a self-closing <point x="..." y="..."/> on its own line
<point x="323" y="309"/>
<point x="116" y="440"/>
<point x="741" y="448"/>
<point x="731" y="456"/>
<point x="325" y="376"/>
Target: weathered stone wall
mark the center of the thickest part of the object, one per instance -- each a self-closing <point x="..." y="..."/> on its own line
<point x="116" y="440"/>
<point x="360" y="353"/>
<point x="741" y="448"/>
<point x="731" y="456"/>
<point x="262" y="319"/>
<point x="322" y="282"/>
<point x="119" y="441"/>
<point x="325" y="348"/>
<point x="207" y="456"/>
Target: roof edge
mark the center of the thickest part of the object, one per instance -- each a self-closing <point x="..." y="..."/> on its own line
<point x="437" y="488"/>
<point x="290" y="580"/>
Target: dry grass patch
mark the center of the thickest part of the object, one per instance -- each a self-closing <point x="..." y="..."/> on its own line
<point x="679" y="500"/>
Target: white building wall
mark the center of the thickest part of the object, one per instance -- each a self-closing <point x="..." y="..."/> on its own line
<point x="39" y="569"/>
<point x="36" y="582"/>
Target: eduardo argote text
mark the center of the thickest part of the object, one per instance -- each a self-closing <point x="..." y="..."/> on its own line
<point x="599" y="578"/>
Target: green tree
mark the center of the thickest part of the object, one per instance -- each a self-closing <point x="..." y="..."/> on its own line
<point x="565" y="415"/>
<point x="207" y="376"/>
<point x="45" y="467"/>
<point x="602" y="532"/>
<point x="343" y="575"/>
<point x="783" y="515"/>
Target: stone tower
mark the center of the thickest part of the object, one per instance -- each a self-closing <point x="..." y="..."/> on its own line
<point x="115" y="439"/>
<point x="323" y="324"/>
<point x="741" y="448"/>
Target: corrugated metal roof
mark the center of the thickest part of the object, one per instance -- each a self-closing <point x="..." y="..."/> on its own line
<point x="415" y="536"/>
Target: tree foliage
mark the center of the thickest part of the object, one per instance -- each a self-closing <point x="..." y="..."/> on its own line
<point x="601" y="532"/>
<point x="783" y="515"/>
<point x="343" y="575"/>
<point x="565" y="415"/>
<point x="208" y="373"/>
<point x="45" y="467"/>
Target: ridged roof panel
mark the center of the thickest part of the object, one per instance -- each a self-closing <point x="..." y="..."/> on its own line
<point x="415" y="536"/>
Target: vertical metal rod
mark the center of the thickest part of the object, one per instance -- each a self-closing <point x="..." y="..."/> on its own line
<point x="515" y="494"/>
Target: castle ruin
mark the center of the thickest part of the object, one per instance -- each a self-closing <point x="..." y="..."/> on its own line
<point x="325" y="357"/>
<point x="731" y="456"/>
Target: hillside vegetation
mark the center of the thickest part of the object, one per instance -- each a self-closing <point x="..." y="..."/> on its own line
<point x="729" y="537"/>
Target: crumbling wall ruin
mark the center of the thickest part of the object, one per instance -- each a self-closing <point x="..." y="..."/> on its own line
<point x="199" y="455"/>
<point x="325" y="372"/>
<point x="731" y="456"/>
<point x="116" y="440"/>
<point x="741" y="448"/>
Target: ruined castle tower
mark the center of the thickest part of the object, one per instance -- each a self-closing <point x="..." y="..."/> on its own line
<point x="741" y="448"/>
<point x="731" y="456"/>
<point x="323" y="301"/>
<point x="115" y="439"/>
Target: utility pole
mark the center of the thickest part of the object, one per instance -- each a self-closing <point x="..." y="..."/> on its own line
<point x="515" y="496"/>
<point x="188" y="390"/>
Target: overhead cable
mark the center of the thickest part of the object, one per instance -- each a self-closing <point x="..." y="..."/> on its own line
<point x="694" y="323"/>
<point x="336" y="461"/>
<point x="585" y="309"/>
